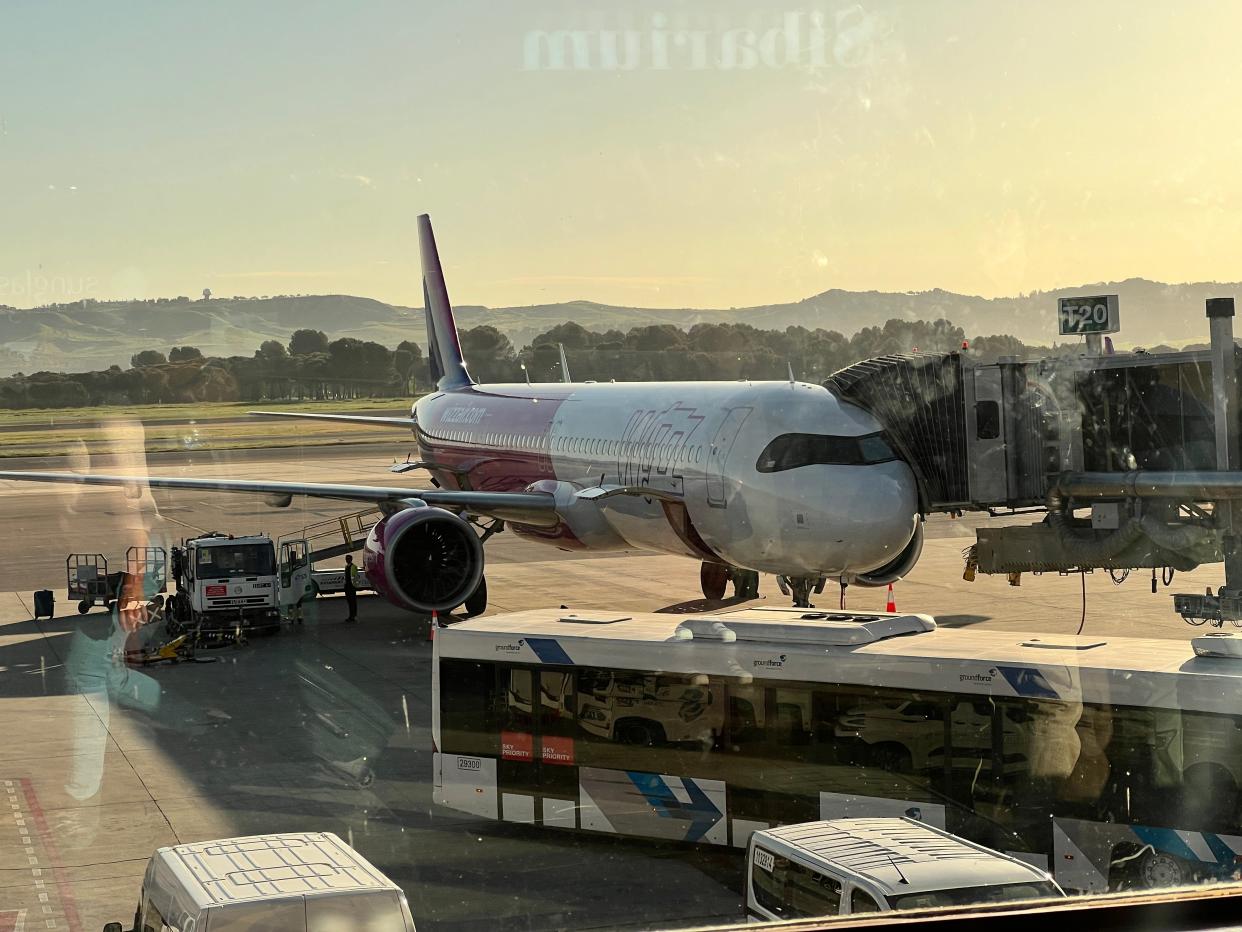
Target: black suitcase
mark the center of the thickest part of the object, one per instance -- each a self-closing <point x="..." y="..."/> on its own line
<point x="45" y="604"/>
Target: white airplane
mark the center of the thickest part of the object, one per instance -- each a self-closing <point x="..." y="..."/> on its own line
<point x="746" y="477"/>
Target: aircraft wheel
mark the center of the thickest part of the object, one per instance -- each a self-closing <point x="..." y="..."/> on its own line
<point x="477" y="603"/>
<point x="713" y="577"/>
<point x="746" y="584"/>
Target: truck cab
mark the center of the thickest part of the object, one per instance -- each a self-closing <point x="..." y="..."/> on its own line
<point x="227" y="582"/>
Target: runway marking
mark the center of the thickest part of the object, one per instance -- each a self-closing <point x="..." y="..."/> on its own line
<point x="64" y="889"/>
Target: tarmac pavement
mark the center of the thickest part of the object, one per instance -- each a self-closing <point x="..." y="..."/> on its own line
<point x="326" y="726"/>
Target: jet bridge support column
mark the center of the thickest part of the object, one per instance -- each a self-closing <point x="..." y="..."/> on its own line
<point x="1220" y="313"/>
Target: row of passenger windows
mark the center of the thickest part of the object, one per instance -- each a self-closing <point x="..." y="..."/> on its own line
<point x="585" y="446"/>
<point x="598" y="446"/>
<point x="532" y="442"/>
<point x="1000" y="764"/>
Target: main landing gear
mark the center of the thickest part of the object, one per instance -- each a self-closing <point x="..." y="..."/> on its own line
<point x="714" y="579"/>
<point x="801" y="588"/>
<point x="477" y="603"/>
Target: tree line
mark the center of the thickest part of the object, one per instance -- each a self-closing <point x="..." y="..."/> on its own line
<point x="310" y="366"/>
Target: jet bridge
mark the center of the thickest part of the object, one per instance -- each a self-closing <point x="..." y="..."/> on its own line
<point x="1141" y="440"/>
<point x="997" y="436"/>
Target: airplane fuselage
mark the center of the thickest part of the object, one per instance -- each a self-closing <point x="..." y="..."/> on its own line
<point x="697" y="447"/>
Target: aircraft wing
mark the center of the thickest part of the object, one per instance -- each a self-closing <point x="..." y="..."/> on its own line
<point x="537" y="508"/>
<point x="407" y="422"/>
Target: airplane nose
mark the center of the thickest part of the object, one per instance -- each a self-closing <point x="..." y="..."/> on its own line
<point x="883" y="516"/>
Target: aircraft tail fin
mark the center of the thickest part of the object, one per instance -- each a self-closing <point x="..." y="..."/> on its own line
<point x="565" y="377"/>
<point x="448" y="366"/>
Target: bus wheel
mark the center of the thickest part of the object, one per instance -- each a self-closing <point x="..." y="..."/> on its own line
<point x="477" y="603"/>
<point x="713" y="578"/>
<point x="1159" y="869"/>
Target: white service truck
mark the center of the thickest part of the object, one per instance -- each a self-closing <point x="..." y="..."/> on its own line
<point x="293" y="882"/>
<point x="227" y="583"/>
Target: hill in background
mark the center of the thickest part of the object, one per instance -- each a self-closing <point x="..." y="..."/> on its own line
<point x="79" y="338"/>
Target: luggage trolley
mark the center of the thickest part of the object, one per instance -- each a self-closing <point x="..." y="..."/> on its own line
<point x="88" y="581"/>
<point x="150" y="565"/>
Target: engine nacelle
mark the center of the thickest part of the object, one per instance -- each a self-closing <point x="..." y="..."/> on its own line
<point x="424" y="559"/>
<point x="902" y="564"/>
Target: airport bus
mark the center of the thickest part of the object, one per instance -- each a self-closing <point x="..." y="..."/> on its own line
<point x="1111" y="762"/>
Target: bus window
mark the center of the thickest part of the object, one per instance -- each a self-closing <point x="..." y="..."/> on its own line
<point x="792" y="724"/>
<point x="1054" y="740"/>
<point x="517" y="713"/>
<point x="556" y="703"/>
<point x="746" y="719"/>
<point x="469" y="719"/>
<point x="650" y="722"/>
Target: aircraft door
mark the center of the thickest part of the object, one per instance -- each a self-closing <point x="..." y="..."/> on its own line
<point x="718" y="454"/>
<point x="295" y="581"/>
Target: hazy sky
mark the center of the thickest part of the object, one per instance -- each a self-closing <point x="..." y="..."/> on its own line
<point x="157" y="148"/>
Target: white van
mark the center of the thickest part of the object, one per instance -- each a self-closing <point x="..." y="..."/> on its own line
<point x="308" y="882"/>
<point x="875" y="865"/>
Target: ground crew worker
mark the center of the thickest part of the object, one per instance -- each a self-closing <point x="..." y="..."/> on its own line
<point x="351" y="589"/>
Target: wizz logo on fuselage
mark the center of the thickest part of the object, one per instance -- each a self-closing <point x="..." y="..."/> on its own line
<point x="655" y="444"/>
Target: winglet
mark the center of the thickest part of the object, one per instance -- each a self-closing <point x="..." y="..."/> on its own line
<point x="448" y="366"/>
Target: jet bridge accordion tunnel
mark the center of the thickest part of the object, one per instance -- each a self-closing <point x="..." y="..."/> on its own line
<point x="1007" y="437"/>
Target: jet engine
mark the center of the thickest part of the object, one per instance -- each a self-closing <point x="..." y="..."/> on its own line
<point x="423" y="559"/>
<point x="894" y="570"/>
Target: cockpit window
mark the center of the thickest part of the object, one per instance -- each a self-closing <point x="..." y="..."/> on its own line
<point x="789" y="451"/>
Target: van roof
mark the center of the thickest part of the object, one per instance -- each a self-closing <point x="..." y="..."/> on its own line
<point x="883" y="851"/>
<point x="236" y="870"/>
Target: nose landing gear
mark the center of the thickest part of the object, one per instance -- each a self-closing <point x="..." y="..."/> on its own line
<point x="801" y="587"/>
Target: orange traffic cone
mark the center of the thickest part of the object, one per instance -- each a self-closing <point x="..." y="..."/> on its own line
<point x="435" y="623"/>
<point x="891" y="606"/>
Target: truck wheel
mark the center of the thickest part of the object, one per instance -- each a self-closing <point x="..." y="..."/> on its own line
<point x="84" y="607"/>
<point x="314" y="589"/>
<point x="477" y="603"/>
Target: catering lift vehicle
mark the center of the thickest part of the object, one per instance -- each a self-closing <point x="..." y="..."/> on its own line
<point x="326" y="540"/>
<point x="1111" y="762"/>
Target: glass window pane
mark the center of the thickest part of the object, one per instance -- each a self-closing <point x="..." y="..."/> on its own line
<point x="469" y="719"/>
